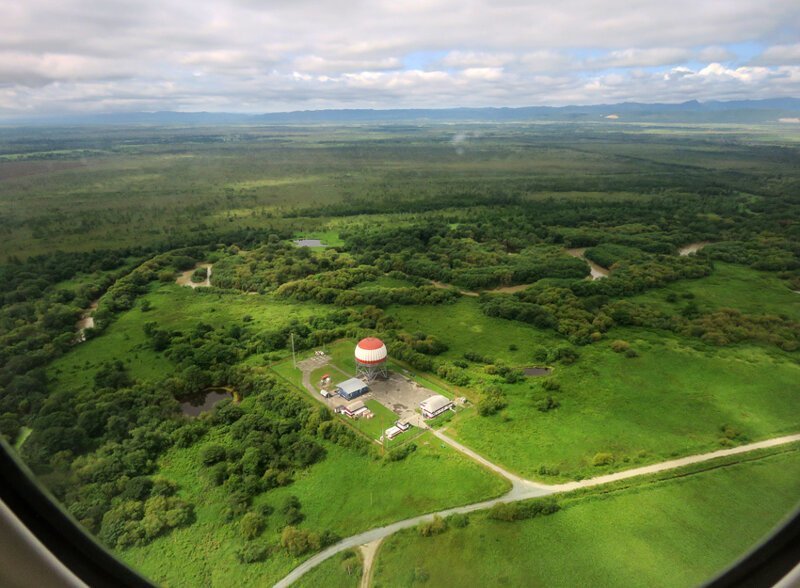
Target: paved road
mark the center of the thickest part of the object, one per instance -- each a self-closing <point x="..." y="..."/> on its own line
<point x="675" y="463"/>
<point x="522" y="490"/>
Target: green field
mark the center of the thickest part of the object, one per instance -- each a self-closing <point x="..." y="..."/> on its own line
<point x="328" y="238"/>
<point x="465" y="328"/>
<point x="346" y="493"/>
<point x="731" y="286"/>
<point x="678" y="532"/>
<point x="172" y="307"/>
<point x="671" y="400"/>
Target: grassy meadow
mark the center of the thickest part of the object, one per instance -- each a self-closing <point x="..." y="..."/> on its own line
<point x="671" y="400"/>
<point x="346" y="493"/>
<point x="730" y="286"/>
<point x="676" y="532"/>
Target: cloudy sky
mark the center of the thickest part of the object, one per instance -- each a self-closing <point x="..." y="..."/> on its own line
<point x="61" y="56"/>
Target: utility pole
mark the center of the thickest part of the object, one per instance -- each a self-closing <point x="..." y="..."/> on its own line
<point x="294" y="358"/>
<point x="383" y="438"/>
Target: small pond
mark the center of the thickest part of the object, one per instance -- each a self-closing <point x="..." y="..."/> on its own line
<point x="203" y="401"/>
<point x="537" y="371"/>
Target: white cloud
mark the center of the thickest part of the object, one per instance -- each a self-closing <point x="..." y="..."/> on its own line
<point x="780" y="55"/>
<point x="464" y="59"/>
<point x="634" y="57"/>
<point x="254" y="55"/>
<point x="714" y="53"/>
<point x="317" y="64"/>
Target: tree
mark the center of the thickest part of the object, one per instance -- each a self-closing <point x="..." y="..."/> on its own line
<point x="298" y="541"/>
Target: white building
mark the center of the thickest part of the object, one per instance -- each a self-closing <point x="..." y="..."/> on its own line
<point x="354" y="409"/>
<point x="435" y="405"/>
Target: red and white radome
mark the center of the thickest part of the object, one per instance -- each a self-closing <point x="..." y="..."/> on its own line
<point x="371" y="351"/>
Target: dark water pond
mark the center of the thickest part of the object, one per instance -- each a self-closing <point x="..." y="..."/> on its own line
<point x="537" y="371"/>
<point x="204" y="401"/>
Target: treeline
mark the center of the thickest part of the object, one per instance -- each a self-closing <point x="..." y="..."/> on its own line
<point x="438" y="251"/>
<point x="586" y="310"/>
<point x="721" y="327"/>
<point x="630" y="278"/>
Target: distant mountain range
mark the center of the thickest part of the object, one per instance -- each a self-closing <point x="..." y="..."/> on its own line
<point x="738" y="111"/>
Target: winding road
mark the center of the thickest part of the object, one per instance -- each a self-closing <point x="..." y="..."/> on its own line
<point x="522" y="489"/>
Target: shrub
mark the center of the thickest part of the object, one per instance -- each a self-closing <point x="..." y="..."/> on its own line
<point x="548" y="471"/>
<point x="620" y="346"/>
<point x="420" y="575"/>
<point x="563" y="353"/>
<point x="477" y="357"/>
<point x="631" y="353"/>
<point x="351" y="562"/>
<point x="252" y="553"/>
<point x="402" y="452"/>
<point x="298" y="541"/>
<point x="199" y="275"/>
<point x="218" y="473"/>
<point x="551" y="385"/>
<point x="163" y="487"/>
<point x="547" y="404"/>
<point x="602" y="459"/>
<point x="137" y="488"/>
<point x="492" y="401"/>
<point x="435" y="527"/>
<point x="251" y="525"/>
<point x="291" y="511"/>
<point x="731" y="435"/>
<point x="264" y="510"/>
<point x="517" y="511"/>
<point x="457" y="521"/>
<point x="212" y="454"/>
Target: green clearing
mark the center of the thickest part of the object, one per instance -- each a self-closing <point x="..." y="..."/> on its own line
<point x="465" y="328"/>
<point x="346" y="493"/>
<point x="384" y="282"/>
<point x="374" y="427"/>
<point x="671" y="400"/>
<point x="328" y="238"/>
<point x="730" y="286"/>
<point x="172" y="307"/>
<point x="677" y="532"/>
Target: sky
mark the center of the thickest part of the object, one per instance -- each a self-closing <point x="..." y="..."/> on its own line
<point x="87" y="56"/>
